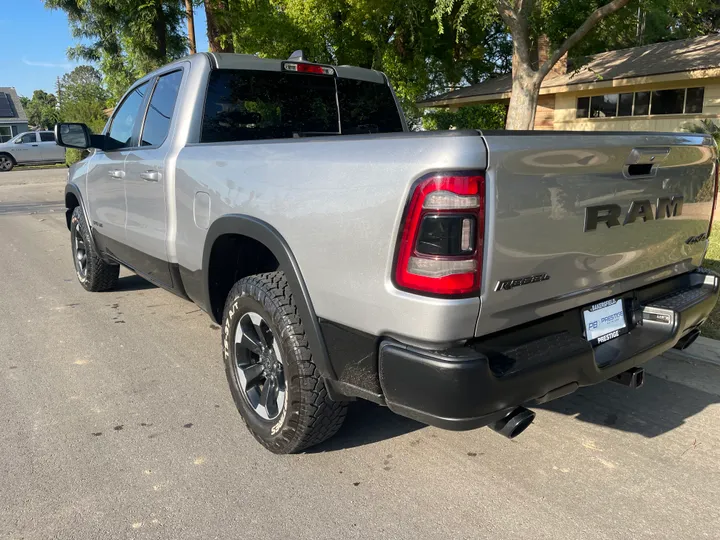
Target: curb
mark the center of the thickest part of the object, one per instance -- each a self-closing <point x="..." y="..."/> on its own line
<point x="704" y="350"/>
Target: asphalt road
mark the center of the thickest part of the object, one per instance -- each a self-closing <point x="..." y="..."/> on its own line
<point x="116" y="422"/>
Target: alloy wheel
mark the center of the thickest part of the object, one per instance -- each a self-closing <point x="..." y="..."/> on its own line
<point x="79" y="252"/>
<point x="259" y="367"/>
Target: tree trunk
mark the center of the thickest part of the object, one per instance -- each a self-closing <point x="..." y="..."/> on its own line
<point x="523" y="104"/>
<point x="190" y="26"/>
<point x="160" y="33"/>
<point x="212" y="7"/>
<point x="526" y="78"/>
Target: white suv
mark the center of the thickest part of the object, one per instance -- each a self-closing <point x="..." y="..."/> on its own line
<point x="30" y="148"/>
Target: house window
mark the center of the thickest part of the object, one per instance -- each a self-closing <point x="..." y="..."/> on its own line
<point x="583" y="107"/>
<point x="657" y="102"/>
<point x="5" y="134"/>
<point x="625" y="106"/>
<point x="694" y="100"/>
<point x="603" y="106"/>
<point x="667" y="102"/>
<point x="642" y="103"/>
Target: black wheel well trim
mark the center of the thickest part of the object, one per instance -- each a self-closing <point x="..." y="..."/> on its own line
<point x="268" y="236"/>
<point x="72" y="189"/>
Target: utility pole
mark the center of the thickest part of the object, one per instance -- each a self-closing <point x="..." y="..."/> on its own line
<point x="58" y="91"/>
<point x="190" y="26"/>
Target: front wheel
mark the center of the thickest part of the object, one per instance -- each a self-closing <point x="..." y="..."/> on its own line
<point x="6" y="163"/>
<point x="93" y="273"/>
<point x="273" y="378"/>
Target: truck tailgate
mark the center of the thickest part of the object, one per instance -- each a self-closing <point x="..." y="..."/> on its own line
<point x="573" y="218"/>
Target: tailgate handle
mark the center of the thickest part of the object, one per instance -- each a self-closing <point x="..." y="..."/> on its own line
<point x="643" y="162"/>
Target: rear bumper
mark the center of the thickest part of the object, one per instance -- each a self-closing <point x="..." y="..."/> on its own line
<point x="474" y="385"/>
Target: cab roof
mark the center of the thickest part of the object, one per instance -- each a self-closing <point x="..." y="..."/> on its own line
<point x="248" y="61"/>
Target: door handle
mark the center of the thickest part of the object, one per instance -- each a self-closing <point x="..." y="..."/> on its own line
<point x="34" y="145"/>
<point x="151" y="176"/>
<point x="116" y="173"/>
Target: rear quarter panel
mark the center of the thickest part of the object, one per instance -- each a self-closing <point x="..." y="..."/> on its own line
<point x="338" y="203"/>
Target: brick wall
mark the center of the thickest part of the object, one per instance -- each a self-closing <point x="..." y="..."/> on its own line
<point x="545" y="112"/>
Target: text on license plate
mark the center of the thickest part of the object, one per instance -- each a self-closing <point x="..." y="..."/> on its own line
<point x="604" y="321"/>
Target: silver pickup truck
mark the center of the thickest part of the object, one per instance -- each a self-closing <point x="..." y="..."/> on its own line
<point x="455" y="277"/>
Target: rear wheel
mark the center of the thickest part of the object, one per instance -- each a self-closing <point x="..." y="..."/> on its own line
<point x="93" y="273"/>
<point x="6" y="163"/>
<point x="273" y="378"/>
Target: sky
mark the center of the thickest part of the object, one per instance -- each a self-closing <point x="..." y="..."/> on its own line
<point x="35" y="42"/>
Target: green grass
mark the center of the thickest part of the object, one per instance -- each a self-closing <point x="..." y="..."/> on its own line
<point x="711" y="328"/>
<point x="31" y="167"/>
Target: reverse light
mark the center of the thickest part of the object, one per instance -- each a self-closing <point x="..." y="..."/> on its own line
<point x="440" y="247"/>
<point x="299" y="67"/>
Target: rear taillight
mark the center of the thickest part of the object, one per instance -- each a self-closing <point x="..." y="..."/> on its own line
<point x="714" y="203"/>
<point x="440" y="249"/>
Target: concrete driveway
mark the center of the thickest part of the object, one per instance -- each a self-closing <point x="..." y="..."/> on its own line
<point x="117" y="423"/>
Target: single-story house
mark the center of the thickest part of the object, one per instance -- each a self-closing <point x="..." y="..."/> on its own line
<point x="13" y="119"/>
<point x="659" y="87"/>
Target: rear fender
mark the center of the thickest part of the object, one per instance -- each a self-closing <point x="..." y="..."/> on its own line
<point x="267" y="235"/>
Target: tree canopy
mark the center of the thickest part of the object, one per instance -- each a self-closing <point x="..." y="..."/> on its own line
<point x="126" y="38"/>
<point x="83" y="98"/>
<point x="41" y="109"/>
<point x="398" y="37"/>
<point x="426" y="47"/>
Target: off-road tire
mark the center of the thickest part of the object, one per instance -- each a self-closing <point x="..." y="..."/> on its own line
<point x="309" y="416"/>
<point x="100" y="275"/>
<point x="7" y="163"/>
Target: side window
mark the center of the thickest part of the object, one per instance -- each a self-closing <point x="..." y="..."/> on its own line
<point x="162" y="104"/>
<point x="29" y="138"/>
<point x="47" y="136"/>
<point x="126" y="116"/>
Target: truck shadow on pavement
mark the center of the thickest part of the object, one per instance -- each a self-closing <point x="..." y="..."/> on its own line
<point x="367" y="423"/>
<point x="656" y="408"/>
<point x="132" y="283"/>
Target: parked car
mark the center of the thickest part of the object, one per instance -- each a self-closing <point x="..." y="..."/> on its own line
<point x="30" y="148"/>
<point x="455" y="277"/>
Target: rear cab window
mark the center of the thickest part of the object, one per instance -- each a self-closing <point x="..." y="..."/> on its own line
<point x="47" y="136"/>
<point x="367" y="107"/>
<point x="245" y="105"/>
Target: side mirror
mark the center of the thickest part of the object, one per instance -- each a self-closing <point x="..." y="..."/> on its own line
<point x="19" y="141"/>
<point x="73" y="136"/>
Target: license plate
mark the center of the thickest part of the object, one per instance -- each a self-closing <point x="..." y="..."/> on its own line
<point x="604" y="321"/>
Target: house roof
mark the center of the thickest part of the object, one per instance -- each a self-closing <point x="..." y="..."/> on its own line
<point x="20" y="115"/>
<point x="656" y="59"/>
